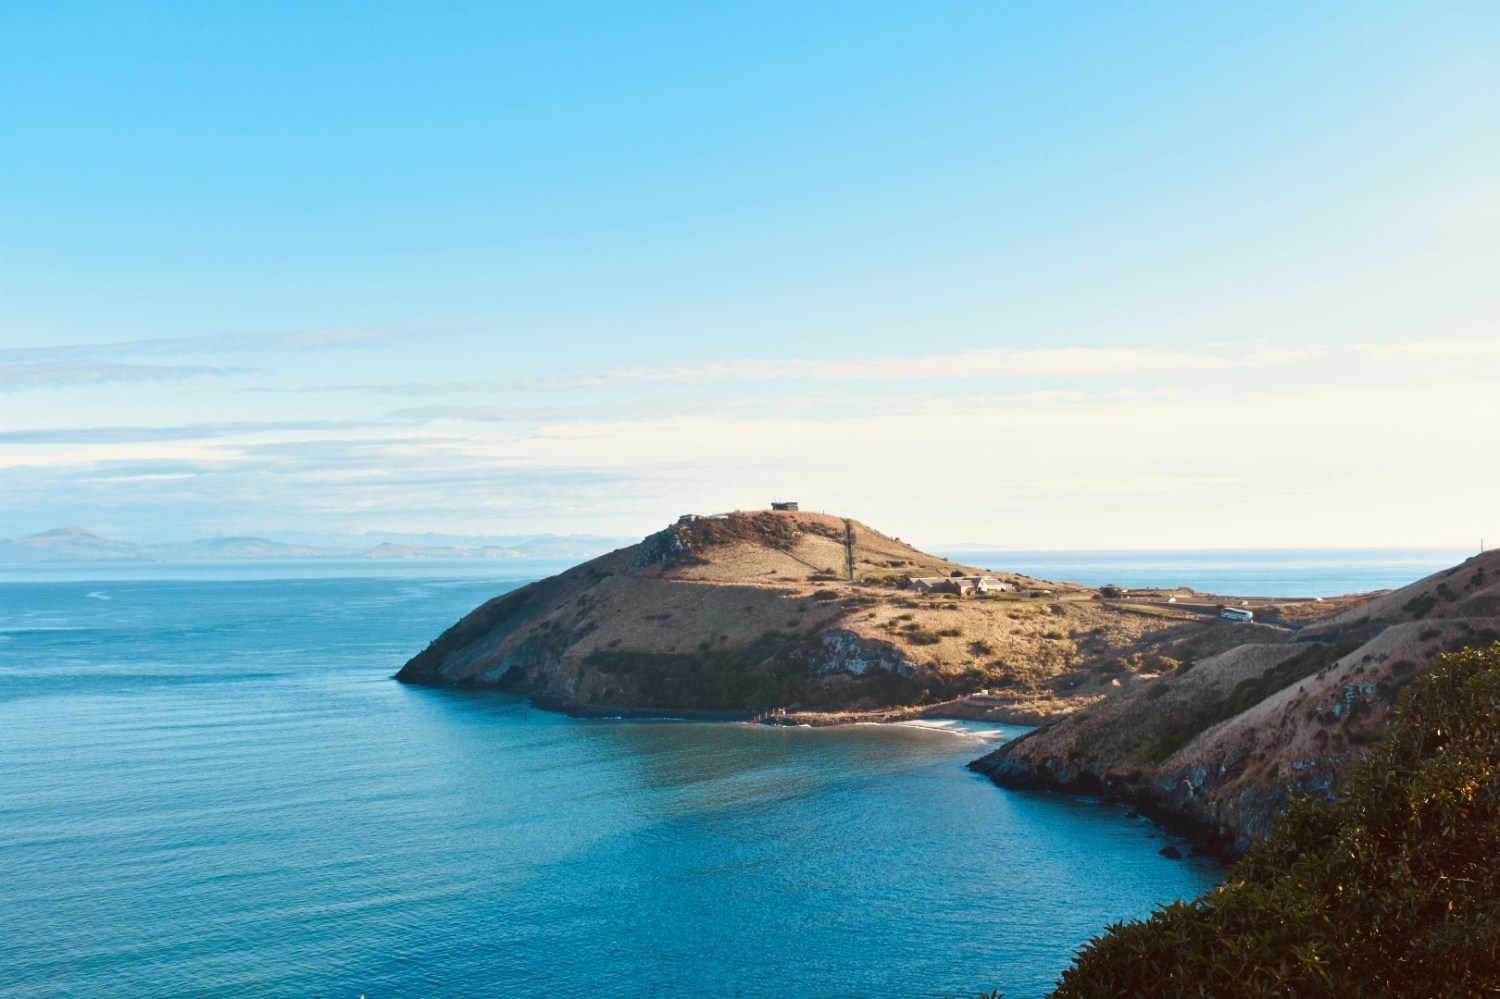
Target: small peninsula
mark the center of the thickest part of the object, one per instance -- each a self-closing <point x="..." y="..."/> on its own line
<point x="814" y="618"/>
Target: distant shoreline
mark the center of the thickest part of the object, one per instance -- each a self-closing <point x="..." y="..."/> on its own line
<point x="1289" y="573"/>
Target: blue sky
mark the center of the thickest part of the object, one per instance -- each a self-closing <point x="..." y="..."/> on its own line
<point x="1042" y="275"/>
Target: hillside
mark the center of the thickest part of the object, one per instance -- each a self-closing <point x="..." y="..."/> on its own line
<point x="1223" y="743"/>
<point x="1390" y="890"/>
<point x="752" y="612"/>
<point x="67" y="544"/>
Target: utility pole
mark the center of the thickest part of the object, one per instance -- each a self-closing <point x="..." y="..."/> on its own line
<point x="849" y="545"/>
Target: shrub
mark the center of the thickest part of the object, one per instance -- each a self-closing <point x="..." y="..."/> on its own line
<point x="1418" y="607"/>
<point x="1393" y="889"/>
<point x="1473" y="639"/>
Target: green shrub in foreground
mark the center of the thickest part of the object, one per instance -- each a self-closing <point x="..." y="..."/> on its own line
<point x="1394" y="889"/>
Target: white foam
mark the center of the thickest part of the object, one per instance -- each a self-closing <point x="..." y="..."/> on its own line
<point x="965" y="729"/>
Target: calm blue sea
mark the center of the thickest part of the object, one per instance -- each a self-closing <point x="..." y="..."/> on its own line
<point x="211" y="786"/>
<point x="1289" y="572"/>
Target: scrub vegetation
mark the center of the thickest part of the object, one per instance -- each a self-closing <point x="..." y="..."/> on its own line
<point x="1392" y="889"/>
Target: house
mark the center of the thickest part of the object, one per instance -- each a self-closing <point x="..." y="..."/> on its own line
<point x="962" y="585"/>
<point x="788" y="506"/>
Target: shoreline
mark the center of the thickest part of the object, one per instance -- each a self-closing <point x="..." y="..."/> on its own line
<point x="1204" y="838"/>
<point x="966" y="708"/>
<point x="959" y="709"/>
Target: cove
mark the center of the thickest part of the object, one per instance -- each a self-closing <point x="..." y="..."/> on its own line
<point x="214" y="785"/>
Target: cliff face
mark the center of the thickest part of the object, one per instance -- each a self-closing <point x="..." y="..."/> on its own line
<point x="1220" y="747"/>
<point x="751" y="612"/>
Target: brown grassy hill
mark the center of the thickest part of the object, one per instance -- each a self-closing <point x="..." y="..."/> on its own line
<point x="751" y="612"/>
<point x="1224" y="744"/>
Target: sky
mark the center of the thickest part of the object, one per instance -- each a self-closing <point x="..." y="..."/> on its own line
<point x="1037" y="275"/>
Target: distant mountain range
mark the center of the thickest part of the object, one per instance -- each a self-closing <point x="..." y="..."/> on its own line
<point x="77" y="544"/>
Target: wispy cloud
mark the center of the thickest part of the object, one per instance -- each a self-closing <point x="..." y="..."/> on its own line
<point x="226" y="343"/>
<point x="1311" y="464"/>
<point x="895" y="441"/>
<point x="182" y="432"/>
<point x="1471" y="348"/>
<point x="14" y="377"/>
<point x="1058" y="363"/>
<point x="619" y="411"/>
<point x="361" y="488"/>
<point x="1052" y="363"/>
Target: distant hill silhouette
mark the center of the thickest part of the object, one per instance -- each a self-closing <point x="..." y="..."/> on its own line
<point x="78" y="544"/>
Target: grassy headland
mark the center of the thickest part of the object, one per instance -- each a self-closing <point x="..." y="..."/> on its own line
<point x="811" y="615"/>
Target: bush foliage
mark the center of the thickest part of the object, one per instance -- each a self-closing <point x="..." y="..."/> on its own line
<point x="1392" y="890"/>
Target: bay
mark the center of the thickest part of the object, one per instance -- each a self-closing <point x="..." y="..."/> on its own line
<point x="212" y="785"/>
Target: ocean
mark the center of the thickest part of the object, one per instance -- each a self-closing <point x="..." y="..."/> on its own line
<point x="211" y="785"/>
<point x="1286" y="572"/>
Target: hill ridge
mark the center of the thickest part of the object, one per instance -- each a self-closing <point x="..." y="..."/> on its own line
<point x="749" y="612"/>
